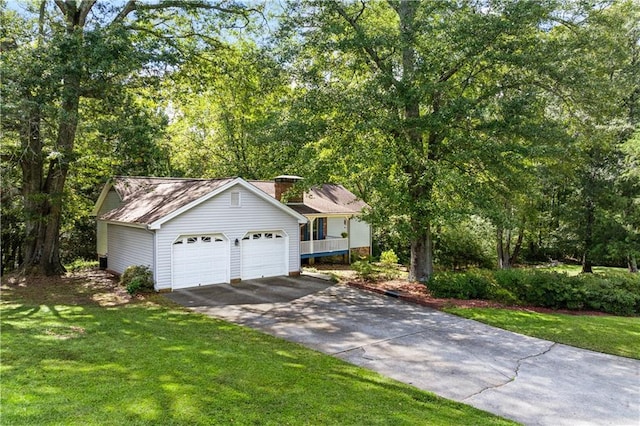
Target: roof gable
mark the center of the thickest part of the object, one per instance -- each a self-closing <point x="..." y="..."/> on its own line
<point x="154" y="201"/>
<point x="331" y="198"/>
<point x="323" y="199"/>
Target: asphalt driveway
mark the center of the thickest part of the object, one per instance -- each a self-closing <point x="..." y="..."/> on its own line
<point x="533" y="381"/>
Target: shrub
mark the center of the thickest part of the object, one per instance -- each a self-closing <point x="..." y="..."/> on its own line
<point x="136" y="279"/>
<point x="364" y="269"/>
<point x="388" y="258"/>
<point x="466" y="285"/>
<point x="81" y="265"/>
<point x="612" y="292"/>
<point x="372" y="272"/>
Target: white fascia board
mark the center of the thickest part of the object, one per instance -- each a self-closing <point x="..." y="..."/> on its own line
<point x="319" y="215"/>
<point x="129" y="224"/>
<point x="101" y="198"/>
<point x="237" y="181"/>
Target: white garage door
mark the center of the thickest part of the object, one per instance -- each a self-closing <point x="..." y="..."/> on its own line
<point x="264" y="254"/>
<point x="200" y="260"/>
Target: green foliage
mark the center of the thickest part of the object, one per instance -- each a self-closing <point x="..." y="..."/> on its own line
<point x="229" y="110"/>
<point x="368" y="271"/>
<point x="465" y="244"/>
<point x="469" y="285"/>
<point x="137" y="278"/>
<point x="81" y="265"/>
<point x="611" y="292"/>
<point x="388" y="258"/>
<point x="364" y="269"/>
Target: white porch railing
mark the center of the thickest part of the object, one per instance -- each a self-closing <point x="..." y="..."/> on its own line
<point x="324" y="246"/>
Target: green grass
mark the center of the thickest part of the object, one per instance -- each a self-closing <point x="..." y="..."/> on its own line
<point x="573" y="270"/>
<point x="68" y="360"/>
<point x="608" y="334"/>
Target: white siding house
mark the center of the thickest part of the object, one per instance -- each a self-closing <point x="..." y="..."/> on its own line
<point x="217" y="216"/>
<point x="193" y="232"/>
<point x="128" y="246"/>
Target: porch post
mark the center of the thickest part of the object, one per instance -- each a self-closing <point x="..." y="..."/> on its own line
<point x="349" y="239"/>
<point x="311" y="258"/>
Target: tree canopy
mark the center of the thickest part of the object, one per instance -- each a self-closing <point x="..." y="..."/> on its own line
<point x="478" y="131"/>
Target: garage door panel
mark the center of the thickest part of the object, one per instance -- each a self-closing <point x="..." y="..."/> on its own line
<point x="264" y="254"/>
<point x="200" y="260"/>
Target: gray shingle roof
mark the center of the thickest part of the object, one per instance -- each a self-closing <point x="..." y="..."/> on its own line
<point x="324" y="199"/>
<point x="148" y="199"/>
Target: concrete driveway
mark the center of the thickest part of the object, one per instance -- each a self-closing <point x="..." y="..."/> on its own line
<point x="533" y="381"/>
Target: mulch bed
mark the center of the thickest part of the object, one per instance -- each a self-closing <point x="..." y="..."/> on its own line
<point x="418" y="293"/>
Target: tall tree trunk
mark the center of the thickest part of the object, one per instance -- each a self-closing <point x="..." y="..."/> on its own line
<point x="518" y="247"/>
<point x="421" y="255"/>
<point x="504" y="260"/>
<point x="43" y="197"/>
<point x="421" y="243"/>
<point x="31" y="164"/>
<point x="587" y="266"/>
<point x="632" y="263"/>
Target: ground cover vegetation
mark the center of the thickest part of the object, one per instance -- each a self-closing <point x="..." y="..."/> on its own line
<point x="608" y="290"/>
<point x="612" y="292"/>
<point x="78" y="350"/>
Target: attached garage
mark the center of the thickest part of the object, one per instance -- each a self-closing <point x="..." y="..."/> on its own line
<point x="200" y="260"/>
<point x="197" y="232"/>
<point x="264" y="254"/>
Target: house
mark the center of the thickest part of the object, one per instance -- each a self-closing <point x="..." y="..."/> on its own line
<point x="193" y="232"/>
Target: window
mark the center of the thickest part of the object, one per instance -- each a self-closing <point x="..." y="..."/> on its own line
<point x="178" y="242"/>
<point x="318" y="229"/>
<point x="257" y="236"/>
<point x="268" y="235"/>
<point x="235" y="199"/>
<point x="192" y="240"/>
<point x="205" y="239"/>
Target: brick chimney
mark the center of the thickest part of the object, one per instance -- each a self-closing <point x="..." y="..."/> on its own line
<point x="283" y="184"/>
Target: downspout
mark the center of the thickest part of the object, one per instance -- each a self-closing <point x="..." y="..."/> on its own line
<point x="155" y="253"/>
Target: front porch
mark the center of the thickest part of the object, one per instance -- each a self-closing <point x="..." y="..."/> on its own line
<point x="327" y="247"/>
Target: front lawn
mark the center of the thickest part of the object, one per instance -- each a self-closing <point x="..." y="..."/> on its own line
<point x="607" y="334"/>
<point x="75" y="351"/>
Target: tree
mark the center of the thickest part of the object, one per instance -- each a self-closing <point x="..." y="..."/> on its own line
<point x="598" y="77"/>
<point x="73" y="51"/>
<point x="421" y="96"/>
<point x="228" y="108"/>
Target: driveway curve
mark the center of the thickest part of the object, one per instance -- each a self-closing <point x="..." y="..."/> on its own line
<point x="532" y="381"/>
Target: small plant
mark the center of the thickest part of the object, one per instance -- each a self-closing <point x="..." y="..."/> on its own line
<point x="137" y="279"/>
<point x="344" y="235"/>
<point x="81" y="265"/>
<point x="388" y="258"/>
<point x="364" y="269"/>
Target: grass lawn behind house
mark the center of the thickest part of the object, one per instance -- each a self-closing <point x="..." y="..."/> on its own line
<point x="608" y="334"/>
<point x="73" y="355"/>
<point x="573" y="270"/>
